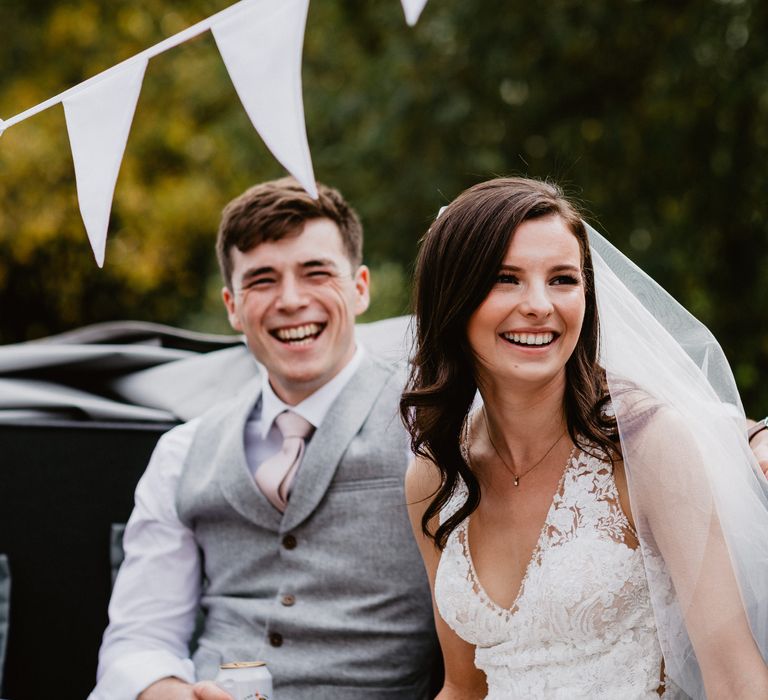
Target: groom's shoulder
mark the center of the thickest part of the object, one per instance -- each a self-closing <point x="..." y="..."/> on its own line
<point x="394" y="374"/>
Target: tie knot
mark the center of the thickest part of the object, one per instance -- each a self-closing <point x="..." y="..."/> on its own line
<point x="293" y="425"/>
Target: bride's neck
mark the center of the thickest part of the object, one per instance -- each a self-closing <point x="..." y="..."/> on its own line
<point x="523" y="419"/>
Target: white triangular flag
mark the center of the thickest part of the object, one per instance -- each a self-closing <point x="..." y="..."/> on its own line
<point x="413" y="10"/>
<point x="261" y="48"/>
<point x="98" y="121"/>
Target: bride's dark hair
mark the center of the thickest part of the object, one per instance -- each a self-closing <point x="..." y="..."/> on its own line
<point x="457" y="266"/>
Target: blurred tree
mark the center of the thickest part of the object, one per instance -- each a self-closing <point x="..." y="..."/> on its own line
<point x="652" y="114"/>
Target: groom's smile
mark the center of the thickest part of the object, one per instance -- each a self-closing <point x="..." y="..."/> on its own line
<point x="303" y="334"/>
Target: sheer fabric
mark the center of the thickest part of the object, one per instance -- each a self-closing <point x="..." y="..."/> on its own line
<point x="582" y="625"/>
<point x="698" y="498"/>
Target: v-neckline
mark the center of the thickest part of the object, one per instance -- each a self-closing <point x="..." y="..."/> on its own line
<point x="464" y="531"/>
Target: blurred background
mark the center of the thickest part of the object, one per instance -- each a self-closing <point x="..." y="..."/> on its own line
<point x="653" y="115"/>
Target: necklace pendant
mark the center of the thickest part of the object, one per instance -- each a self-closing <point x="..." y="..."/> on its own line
<point x="517" y="480"/>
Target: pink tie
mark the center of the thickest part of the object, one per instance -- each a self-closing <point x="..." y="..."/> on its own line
<point x="275" y="475"/>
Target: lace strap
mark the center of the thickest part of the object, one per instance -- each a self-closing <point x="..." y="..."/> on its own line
<point x="457" y="499"/>
<point x="602" y="474"/>
<point x="460" y="493"/>
<point x="464" y="438"/>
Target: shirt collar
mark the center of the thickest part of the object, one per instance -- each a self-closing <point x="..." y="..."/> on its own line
<point x="315" y="406"/>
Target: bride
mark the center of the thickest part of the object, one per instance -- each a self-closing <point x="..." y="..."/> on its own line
<point x="593" y="524"/>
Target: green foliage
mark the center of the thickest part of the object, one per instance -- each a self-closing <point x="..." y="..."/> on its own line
<point x="653" y="114"/>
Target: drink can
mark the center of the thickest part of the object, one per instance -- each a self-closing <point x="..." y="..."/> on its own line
<point x="246" y="680"/>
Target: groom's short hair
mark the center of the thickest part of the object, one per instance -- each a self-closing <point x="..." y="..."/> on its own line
<point x="272" y="210"/>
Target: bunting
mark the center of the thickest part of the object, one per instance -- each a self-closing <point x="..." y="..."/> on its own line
<point x="261" y="48"/>
<point x="260" y="42"/>
<point x="98" y="121"/>
<point x="413" y="10"/>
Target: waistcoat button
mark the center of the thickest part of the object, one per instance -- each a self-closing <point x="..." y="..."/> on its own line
<point x="289" y="542"/>
<point x="276" y="639"/>
<point x="288" y="600"/>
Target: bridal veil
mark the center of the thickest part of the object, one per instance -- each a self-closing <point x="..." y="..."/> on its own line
<point x="699" y="500"/>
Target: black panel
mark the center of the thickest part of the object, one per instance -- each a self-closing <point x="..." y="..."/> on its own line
<point x="62" y="485"/>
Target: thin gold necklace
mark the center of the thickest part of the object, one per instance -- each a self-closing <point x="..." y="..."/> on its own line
<point x="517" y="477"/>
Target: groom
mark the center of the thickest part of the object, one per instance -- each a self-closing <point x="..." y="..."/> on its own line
<point x="281" y="513"/>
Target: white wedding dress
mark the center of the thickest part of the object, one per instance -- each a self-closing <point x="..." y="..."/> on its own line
<point x="582" y="624"/>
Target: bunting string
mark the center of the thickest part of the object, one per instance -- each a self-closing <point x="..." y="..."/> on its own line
<point x="161" y="47"/>
<point x="260" y="42"/>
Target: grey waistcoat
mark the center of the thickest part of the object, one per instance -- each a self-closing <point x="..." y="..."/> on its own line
<point x="332" y="594"/>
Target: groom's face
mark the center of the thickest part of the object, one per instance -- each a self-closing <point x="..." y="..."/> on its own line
<point x="296" y="300"/>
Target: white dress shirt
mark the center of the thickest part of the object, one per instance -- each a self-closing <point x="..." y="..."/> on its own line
<point x="157" y="591"/>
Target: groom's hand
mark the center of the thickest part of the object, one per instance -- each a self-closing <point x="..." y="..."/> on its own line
<point x="207" y="690"/>
<point x="175" y="689"/>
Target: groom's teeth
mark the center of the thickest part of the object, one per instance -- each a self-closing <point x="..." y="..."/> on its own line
<point x="530" y="338"/>
<point x="298" y="332"/>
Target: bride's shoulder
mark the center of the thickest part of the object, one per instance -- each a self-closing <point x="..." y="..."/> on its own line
<point x="422" y="482"/>
<point x="422" y="479"/>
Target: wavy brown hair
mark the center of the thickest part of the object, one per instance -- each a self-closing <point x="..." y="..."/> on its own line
<point x="272" y="210"/>
<point x="457" y="266"/>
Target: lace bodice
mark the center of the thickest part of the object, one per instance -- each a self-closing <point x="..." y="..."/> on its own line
<point x="582" y="625"/>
